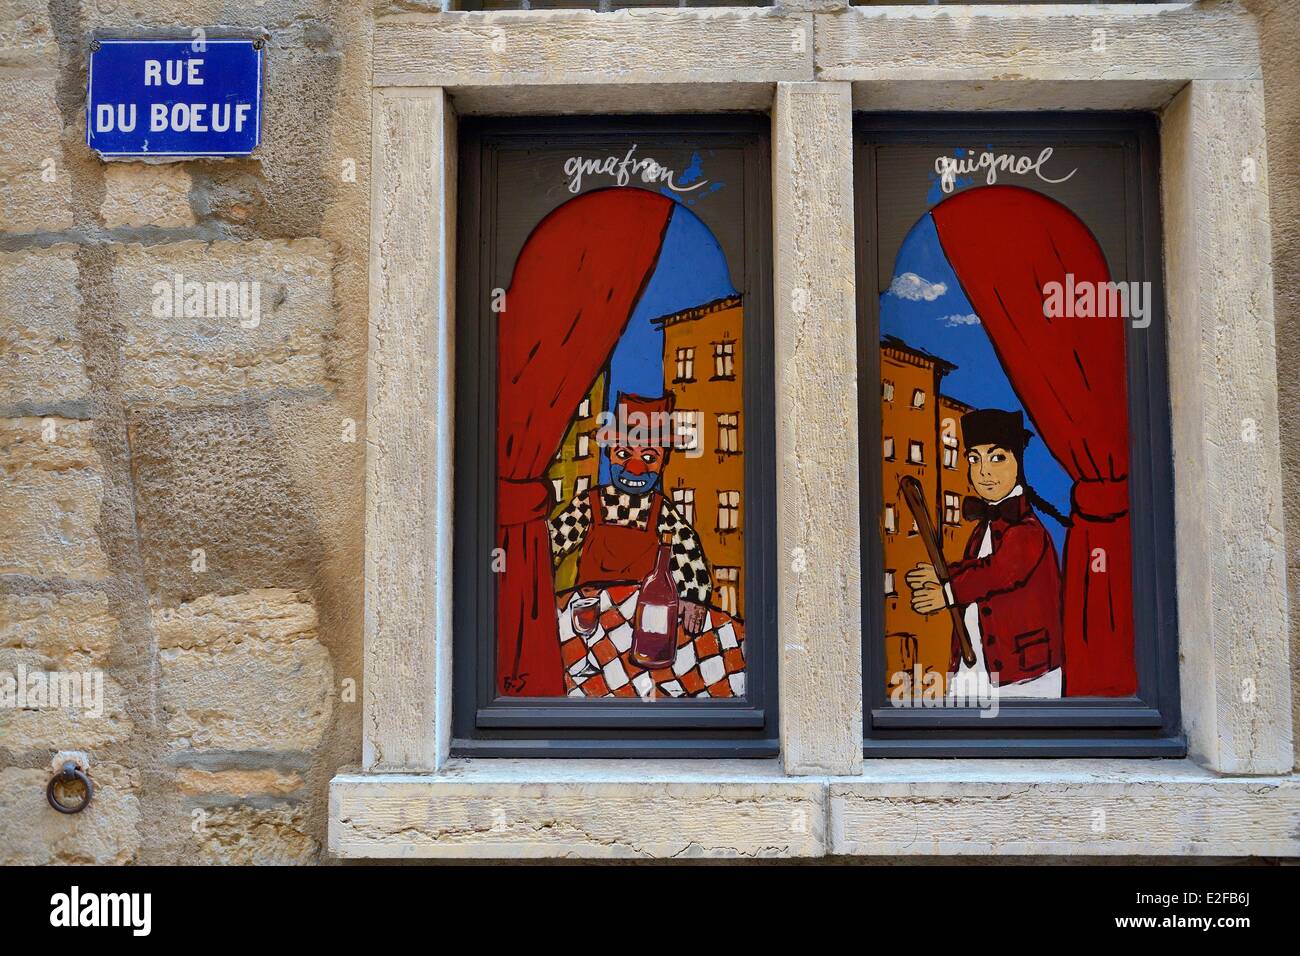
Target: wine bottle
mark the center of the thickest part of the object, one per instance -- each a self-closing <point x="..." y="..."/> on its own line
<point x="654" y="630"/>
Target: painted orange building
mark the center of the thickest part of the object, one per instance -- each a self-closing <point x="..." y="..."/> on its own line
<point x="576" y="469"/>
<point x="705" y="476"/>
<point x="921" y="437"/>
<point x="954" y="478"/>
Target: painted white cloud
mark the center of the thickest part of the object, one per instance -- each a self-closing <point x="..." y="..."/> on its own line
<point x="909" y="285"/>
<point x="968" y="319"/>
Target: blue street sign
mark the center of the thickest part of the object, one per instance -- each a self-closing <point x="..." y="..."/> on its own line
<point x="174" y="98"/>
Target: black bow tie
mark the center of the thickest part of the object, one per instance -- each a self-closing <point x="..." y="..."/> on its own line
<point x="977" y="509"/>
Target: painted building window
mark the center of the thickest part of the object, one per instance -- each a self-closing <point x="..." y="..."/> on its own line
<point x="886" y="390"/>
<point x="727" y="591"/>
<point x="684" y="500"/>
<point x="728" y="433"/>
<point x="951" y="451"/>
<point x="888" y="445"/>
<point x="687" y="434"/>
<point x="724" y="360"/>
<point x="685" y="365"/>
<point x="1014" y="293"/>
<point x="616" y="254"/>
<point x="728" y="510"/>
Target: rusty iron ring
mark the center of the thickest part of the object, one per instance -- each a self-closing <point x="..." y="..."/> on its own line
<point x="69" y="773"/>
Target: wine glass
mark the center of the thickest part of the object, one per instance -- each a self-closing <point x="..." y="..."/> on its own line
<point x="584" y="611"/>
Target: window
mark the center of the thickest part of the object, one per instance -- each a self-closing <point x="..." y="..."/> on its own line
<point x="727" y="589"/>
<point x="728" y="510"/>
<point x="557" y="486"/>
<point x="889" y="449"/>
<point x="684" y="500"/>
<point x="886" y="390"/>
<point x="950" y="452"/>
<point x="891" y="519"/>
<point x="681" y="661"/>
<point x="951" y="508"/>
<point x="724" y="359"/>
<point x="1008" y="307"/>
<point x="687" y="436"/>
<point x="728" y="433"/>
<point x="685" y="365"/>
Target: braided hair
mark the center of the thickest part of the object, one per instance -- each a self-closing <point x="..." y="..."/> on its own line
<point x="1041" y="503"/>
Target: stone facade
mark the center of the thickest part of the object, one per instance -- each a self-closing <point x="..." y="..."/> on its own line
<point x="180" y="506"/>
<point x="183" y="502"/>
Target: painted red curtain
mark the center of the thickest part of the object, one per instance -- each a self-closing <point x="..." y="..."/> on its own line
<point x="1005" y="245"/>
<point x="574" y="287"/>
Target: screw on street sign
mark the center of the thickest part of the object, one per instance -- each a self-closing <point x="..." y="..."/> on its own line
<point x="174" y="97"/>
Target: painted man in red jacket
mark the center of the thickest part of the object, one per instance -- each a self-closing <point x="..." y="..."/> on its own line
<point x="1008" y="582"/>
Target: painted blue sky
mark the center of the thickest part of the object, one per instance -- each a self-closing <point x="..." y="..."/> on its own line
<point x="692" y="270"/>
<point x="926" y="308"/>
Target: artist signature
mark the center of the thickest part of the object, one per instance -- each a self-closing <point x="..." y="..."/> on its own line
<point x="623" y="169"/>
<point x="950" y="167"/>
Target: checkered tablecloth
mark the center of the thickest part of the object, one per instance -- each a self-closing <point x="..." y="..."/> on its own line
<point x="709" y="665"/>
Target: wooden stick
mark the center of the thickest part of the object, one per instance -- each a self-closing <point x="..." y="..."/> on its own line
<point x="914" y="495"/>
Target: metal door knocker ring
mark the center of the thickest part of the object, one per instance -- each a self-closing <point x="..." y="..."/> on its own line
<point x="68" y="774"/>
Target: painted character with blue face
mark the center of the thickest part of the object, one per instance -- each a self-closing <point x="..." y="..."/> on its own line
<point x="635" y="469"/>
<point x="619" y="526"/>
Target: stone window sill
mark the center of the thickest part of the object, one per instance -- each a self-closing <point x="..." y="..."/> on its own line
<point x="523" y="809"/>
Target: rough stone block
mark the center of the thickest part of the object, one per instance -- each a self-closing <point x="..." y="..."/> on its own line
<point x="249" y="316"/>
<point x="146" y="194"/>
<point x="235" y="483"/>
<point x="50" y="499"/>
<point x="35" y="189"/>
<point x="61" y="708"/>
<point x="106" y="832"/>
<point x="193" y="782"/>
<point x="41" y="360"/>
<point x="245" y="835"/>
<point x="243" y="672"/>
<point x="68" y="630"/>
<point x="26" y="35"/>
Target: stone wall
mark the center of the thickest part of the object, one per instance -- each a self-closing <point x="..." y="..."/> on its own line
<point x="1279" y="41"/>
<point x="181" y="499"/>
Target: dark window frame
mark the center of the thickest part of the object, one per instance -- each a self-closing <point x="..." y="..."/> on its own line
<point x="483" y="724"/>
<point x="1150" y="723"/>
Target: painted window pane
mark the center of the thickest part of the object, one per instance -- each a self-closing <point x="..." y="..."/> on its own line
<point x="626" y="266"/>
<point x="1007" y="292"/>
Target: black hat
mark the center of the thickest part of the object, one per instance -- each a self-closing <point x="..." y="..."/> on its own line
<point x="993" y="426"/>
